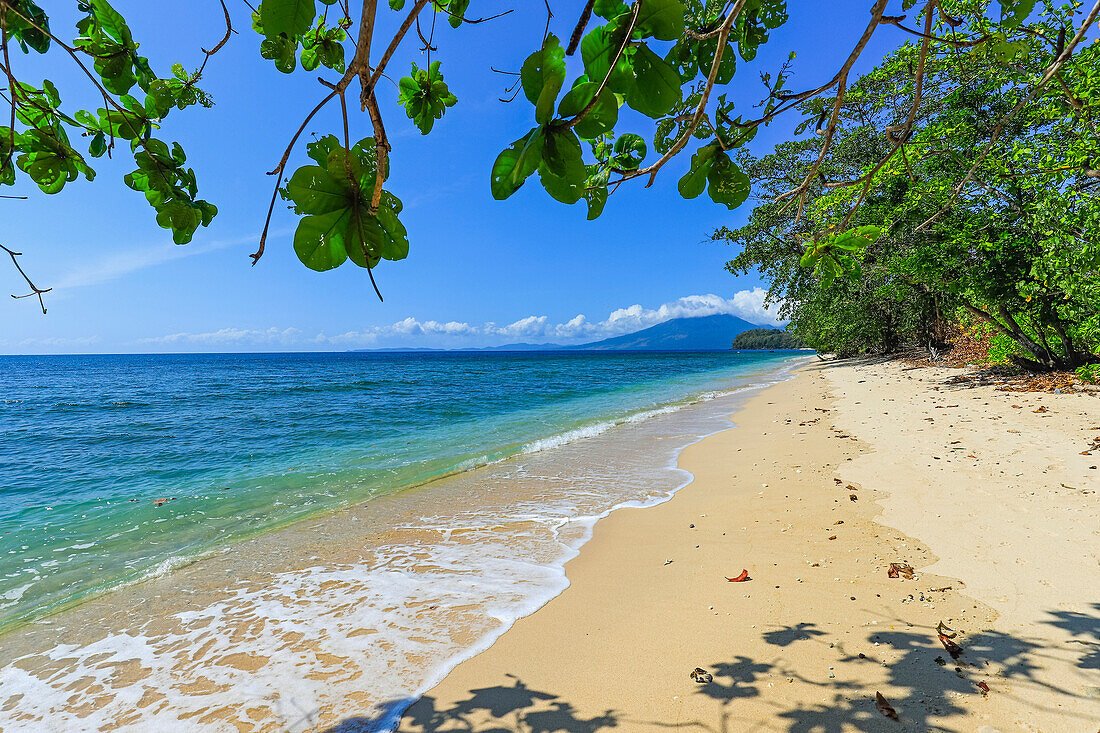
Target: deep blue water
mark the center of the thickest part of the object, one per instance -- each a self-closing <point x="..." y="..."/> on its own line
<point x="238" y="444"/>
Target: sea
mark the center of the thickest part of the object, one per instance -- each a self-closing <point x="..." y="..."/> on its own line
<point x="294" y="541"/>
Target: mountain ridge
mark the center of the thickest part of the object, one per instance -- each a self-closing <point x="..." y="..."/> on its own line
<point x="696" y="333"/>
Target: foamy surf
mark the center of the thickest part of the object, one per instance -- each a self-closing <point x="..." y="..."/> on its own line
<point x="348" y="618"/>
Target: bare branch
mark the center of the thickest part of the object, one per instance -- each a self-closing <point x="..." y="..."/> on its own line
<point x="34" y="289"/>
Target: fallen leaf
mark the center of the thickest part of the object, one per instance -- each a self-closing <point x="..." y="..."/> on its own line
<point x="833" y="537"/>
<point x="983" y="687"/>
<point x="701" y="676"/>
<point x="952" y="648"/>
<point x="853" y="497"/>
<point x="944" y="630"/>
<point x="898" y="569"/>
<point x="838" y="481"/>
<point x="885" y="707"/>
<point x="740" y="578"/>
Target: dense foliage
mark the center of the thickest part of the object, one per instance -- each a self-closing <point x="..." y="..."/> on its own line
<point x="766" y="338"/>
<point x="672" y="62"/>
<point x="954" y="189"/>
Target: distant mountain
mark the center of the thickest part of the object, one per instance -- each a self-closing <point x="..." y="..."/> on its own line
<point x="520" y="347"/>
<point x="703" y="333"/>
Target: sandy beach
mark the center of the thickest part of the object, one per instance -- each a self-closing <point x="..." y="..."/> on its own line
<point x="990" y="496"/>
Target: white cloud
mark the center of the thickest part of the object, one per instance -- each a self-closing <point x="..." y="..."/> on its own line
<point x="231" y="337"/>
<point x="746" y="304"/>
<point x="119" y="264"/>
<point x="61" y="342"/>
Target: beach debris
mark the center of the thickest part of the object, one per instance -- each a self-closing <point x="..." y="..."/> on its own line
<point x="952" y="648"/>
<point x="158" y="502"/>
<point x="740" y="578"/>
<point x="885" y="707"/>
<point x="940" y="661"/>
<point x="701" y="676"/>
<point x="900" y="570"/>
<point x="838" y="481"/>
<point x="943" y="629"/>
<point x="691" y="526"/>
<point x="832" y="537"/>
<point x="853" y="497"/>
<point x="1042" y="408"/>
<point x="668" y="562"/>
<point x="839" y="521"/>
<point x="984" y="688"/>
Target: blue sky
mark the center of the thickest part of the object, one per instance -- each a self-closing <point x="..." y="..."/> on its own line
<point x="480" y="272"/>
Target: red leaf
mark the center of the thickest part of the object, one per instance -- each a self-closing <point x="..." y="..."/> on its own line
<point x="952" y="648"/>
<point x="740" y="578"/>
<point x="885" y="707"/>
<point x="983" y="687"/>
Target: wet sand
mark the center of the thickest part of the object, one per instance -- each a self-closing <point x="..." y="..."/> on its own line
<point x="829" y="478"/>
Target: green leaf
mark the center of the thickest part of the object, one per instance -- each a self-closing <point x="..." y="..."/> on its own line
<point x="595" y="192"/>
<point x="282" y="51"/>
<point x="289" y="18"/>
<point x="515" y="164"/>
<point x="542" y="76"/>
<point x="608" y="9"/>
<point x="457" y="12"/>
<point x="600" y="119"/>
<point x="662" y="19"/>
<point x="425" y="96"/>
<point x="694" y="181"/>
<point x="315" y="191"/>
<point x="25" y="32"/>
<point x="630" y="151"/>
<point x="597" y="49"/>
<point x="322" y="148"/>
<point x="319" y="240"/>
<point x="657" y="89"/>
<point x="1015" y="12"/>
<point x="98" y="146"/>
<point x="561" y="155"/>
<point x="728" y="183"/>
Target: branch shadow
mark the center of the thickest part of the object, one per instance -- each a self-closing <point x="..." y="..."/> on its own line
<point x="1083" y="625"/>
<point x="919" y="677"/>
<point x="496" y="709"/>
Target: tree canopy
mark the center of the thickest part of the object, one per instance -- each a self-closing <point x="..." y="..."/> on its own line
<point x="953" y="188"/>
<point x="766" y="338"/>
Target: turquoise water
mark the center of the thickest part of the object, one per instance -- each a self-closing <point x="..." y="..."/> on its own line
<point x="238" y="444"/>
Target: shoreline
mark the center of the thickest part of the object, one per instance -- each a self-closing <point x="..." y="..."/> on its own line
<point x="615" y="648"/>
<point x="500" y="454"/>
<point x="280" y="631"/>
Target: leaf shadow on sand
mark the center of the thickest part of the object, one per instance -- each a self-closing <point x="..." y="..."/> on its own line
<point x="498" y="709"/>
<point x="924" y="692"/>
<point x="920" y="680"/>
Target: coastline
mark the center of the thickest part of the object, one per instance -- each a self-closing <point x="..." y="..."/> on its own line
<point x="296" y="628"/>
<point x="820" y="628"/>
